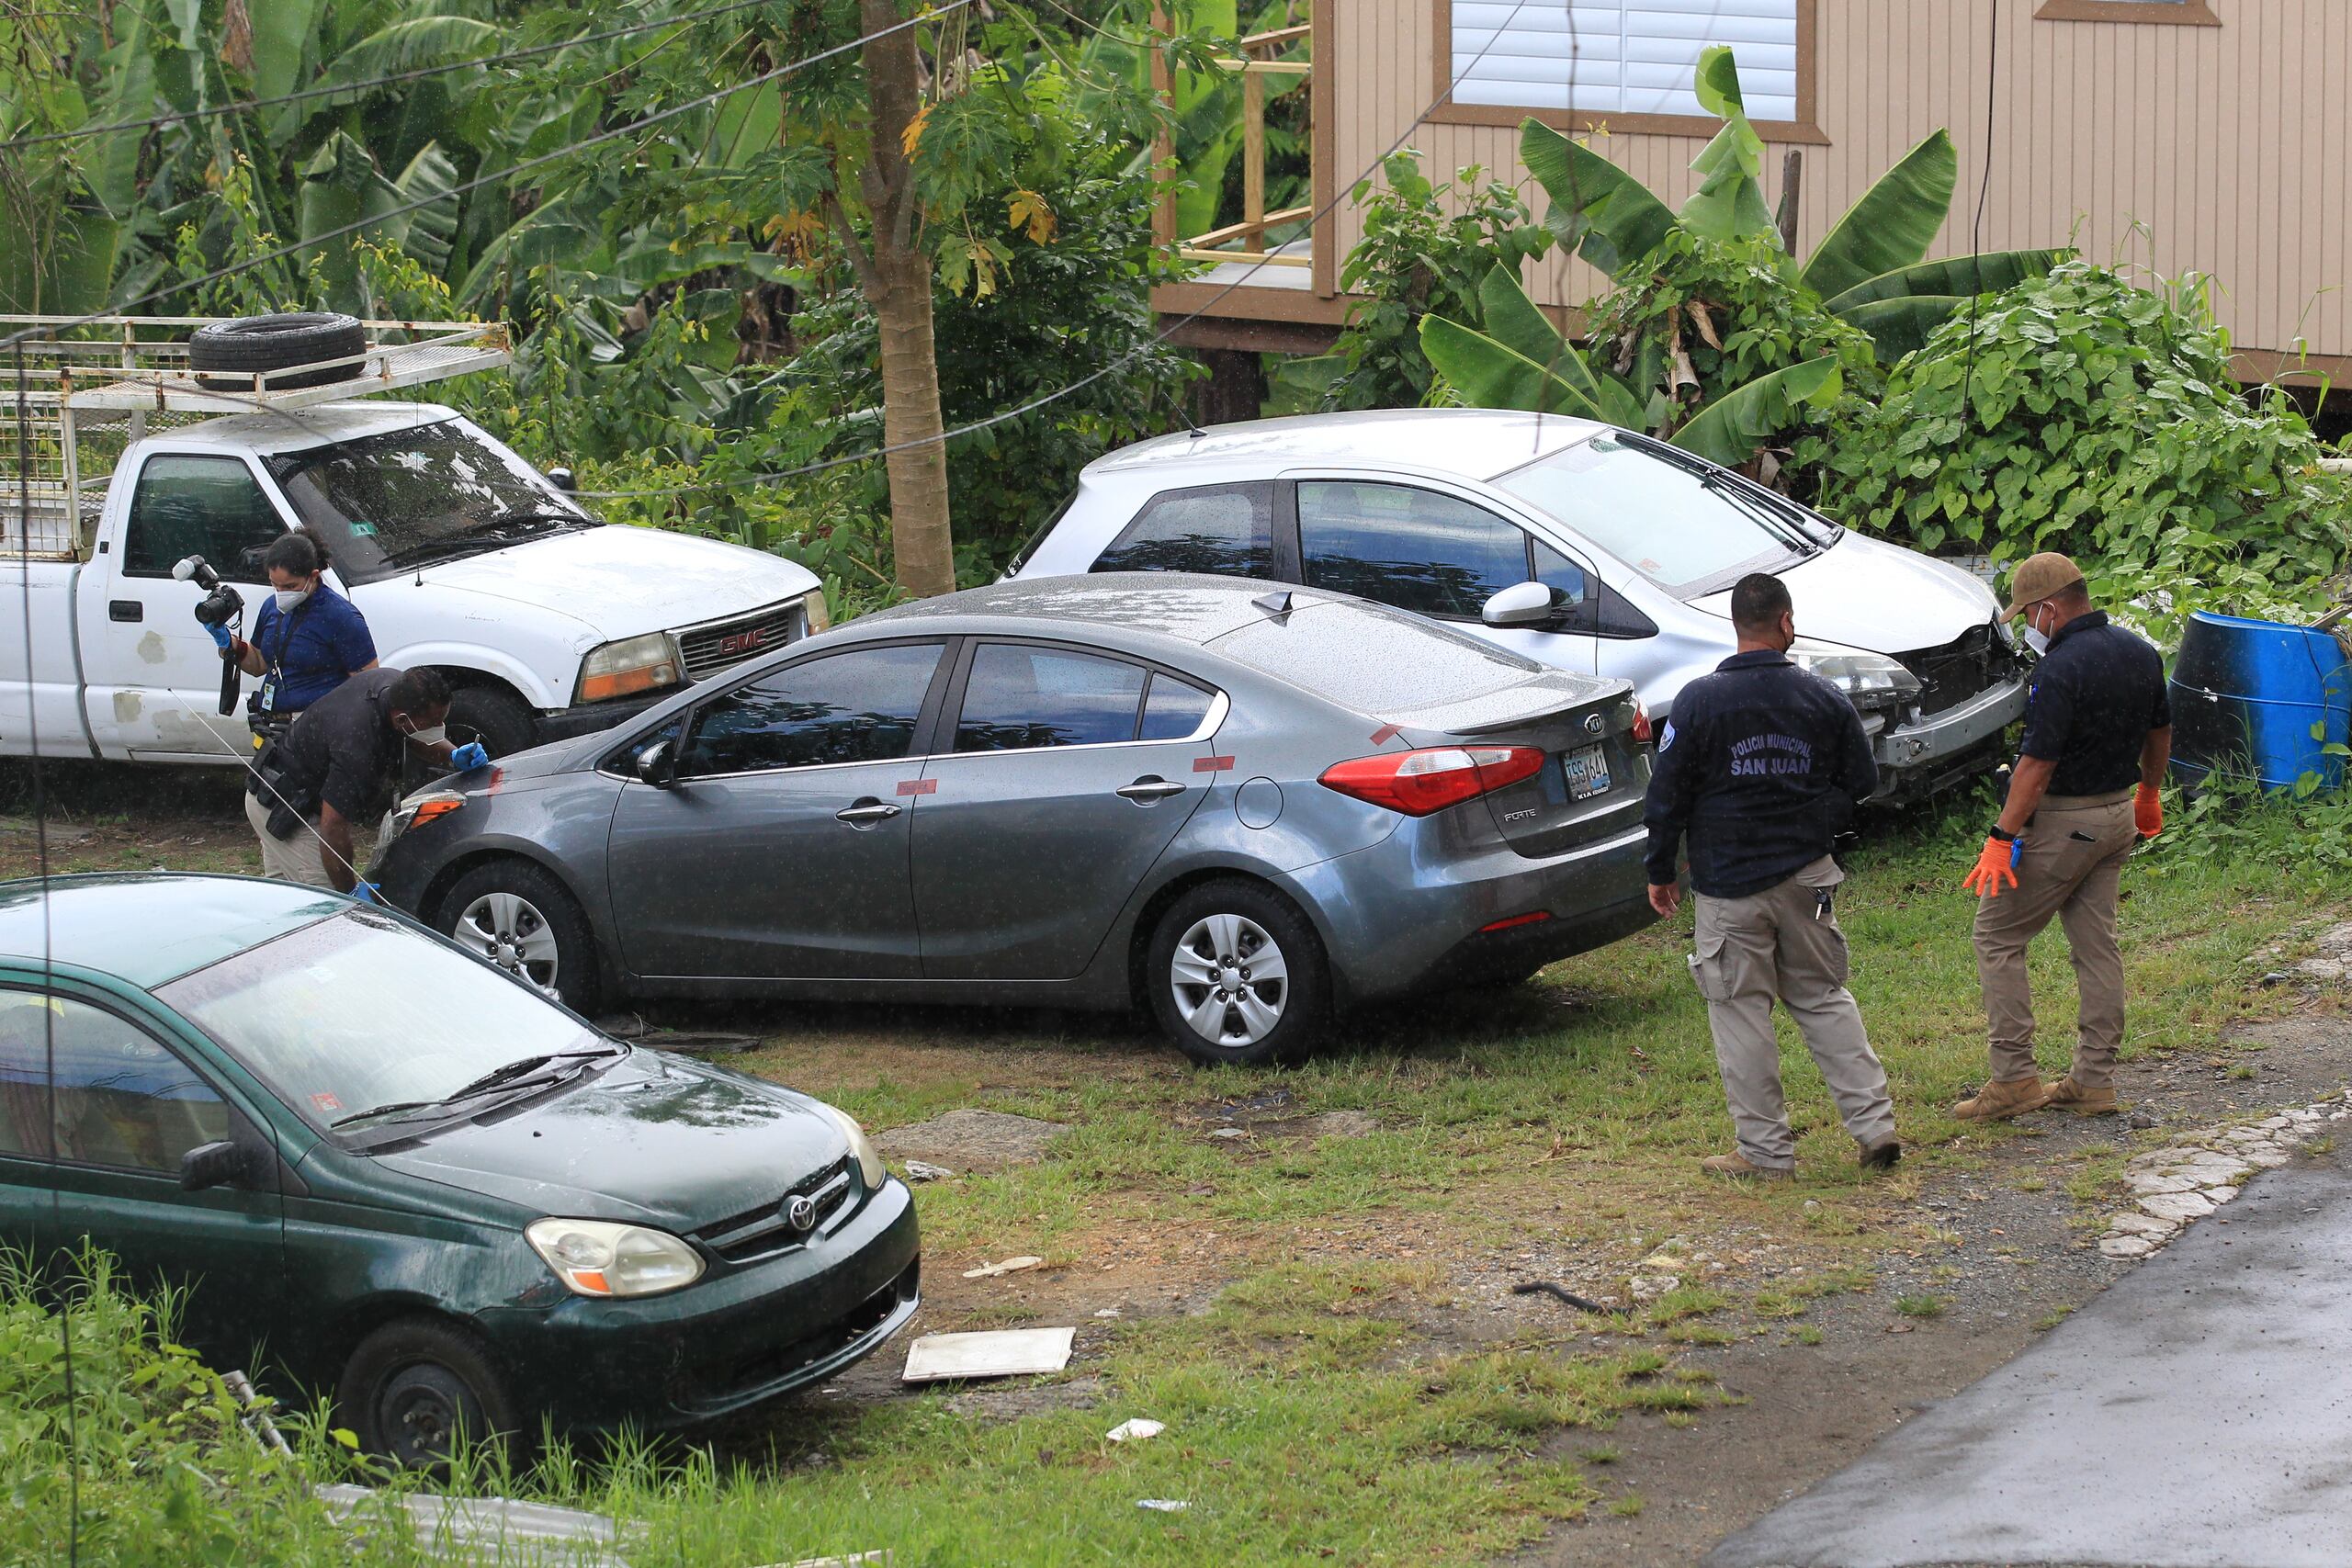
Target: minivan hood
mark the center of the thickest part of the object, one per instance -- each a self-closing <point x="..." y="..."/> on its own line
<point x="625" y="581"/>
<point x="1870" y="594"/>
<point x="655" y="1139"/>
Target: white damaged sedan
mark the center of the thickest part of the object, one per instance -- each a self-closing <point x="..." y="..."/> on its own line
<point x="1591" y="548"/>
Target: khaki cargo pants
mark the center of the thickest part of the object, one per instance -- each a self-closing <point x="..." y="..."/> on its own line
<point x="1769" y="945"/>
<point x="2074" y="850"/>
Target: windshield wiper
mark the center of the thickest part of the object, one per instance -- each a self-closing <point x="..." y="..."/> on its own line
<point x="1728" y="487"/>
<point x="508" y="1076"/>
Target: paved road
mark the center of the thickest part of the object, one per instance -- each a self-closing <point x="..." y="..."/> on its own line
<point x="2198" y="1414"/>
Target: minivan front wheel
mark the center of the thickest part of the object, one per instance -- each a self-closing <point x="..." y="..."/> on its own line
<point x="1237" y="975"/>
<point x="415" y="1392"/>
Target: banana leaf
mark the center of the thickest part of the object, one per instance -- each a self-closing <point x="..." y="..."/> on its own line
<point x="1989" y="273"/>
<point x="426" y="232"/>
<point x="1730" y="199"/>
<point x="1513" y="320"/>
<point x="1598" y="209"/>
<point x="1892" y="224"/>
<point x="406" y="45"/>
<point x="282" y="29"/>
<point x="1491" y="376"/>
<point x="1730" y="429"/>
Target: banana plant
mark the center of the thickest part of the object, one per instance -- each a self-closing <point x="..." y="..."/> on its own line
<point x="1521" y="361"/>
<point x="1869" y="269"/>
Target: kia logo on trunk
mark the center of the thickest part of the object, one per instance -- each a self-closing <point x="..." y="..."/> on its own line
<point x="740" y="643"/>
<point x="1594" y="723"/>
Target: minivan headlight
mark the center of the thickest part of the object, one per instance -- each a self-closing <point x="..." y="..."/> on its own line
<point x="1869" y="680"/>
<point x="632" y="665"/>
<point x="869" y="1162"/>
<point x="597" y="1258"/>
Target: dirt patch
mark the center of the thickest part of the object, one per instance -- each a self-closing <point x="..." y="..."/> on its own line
<point x="1989" y="1256"/>
<point x="972" y="1140"/>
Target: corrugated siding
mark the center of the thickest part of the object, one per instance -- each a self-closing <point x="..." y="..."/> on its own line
<point x="2225" y="150"/>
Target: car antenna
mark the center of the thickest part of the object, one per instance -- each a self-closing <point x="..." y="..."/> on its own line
<point x="1276" y="603"/>
<point x="1182" y="415"/>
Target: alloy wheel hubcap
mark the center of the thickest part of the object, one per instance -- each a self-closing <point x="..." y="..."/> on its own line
<point x="509" y="931"/>
<point x="1230" y="980"/>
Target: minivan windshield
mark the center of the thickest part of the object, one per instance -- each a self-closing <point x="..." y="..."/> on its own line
<point x="1664" y="522"/>
<point x="356" y="1012"/>
<point x="408" y="498"/>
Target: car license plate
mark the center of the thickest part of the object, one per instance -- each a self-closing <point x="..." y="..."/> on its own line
<point x="1588" y="773"/>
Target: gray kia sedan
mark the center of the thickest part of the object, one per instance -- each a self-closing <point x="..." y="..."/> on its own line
<point x="1246" y="807"/>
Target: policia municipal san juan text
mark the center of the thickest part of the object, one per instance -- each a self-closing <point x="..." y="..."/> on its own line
<point x="1761" y="767"/>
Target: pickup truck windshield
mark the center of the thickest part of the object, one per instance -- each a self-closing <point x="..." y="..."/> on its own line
<point x="410" y="498"/>
<point x="1664" y="522"/>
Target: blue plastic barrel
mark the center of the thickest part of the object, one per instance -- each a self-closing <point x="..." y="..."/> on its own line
<point x="2258" y="699"/>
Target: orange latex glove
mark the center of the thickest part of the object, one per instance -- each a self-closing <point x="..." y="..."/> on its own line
<point x="1996" y="860"/>
<point x="2148" y="811"/>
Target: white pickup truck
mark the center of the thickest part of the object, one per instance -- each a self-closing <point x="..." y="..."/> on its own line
<point x="460" y="555"/>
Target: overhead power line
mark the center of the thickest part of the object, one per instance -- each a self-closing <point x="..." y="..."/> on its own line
<point x="526" y="166"/>
<point x="505" y="57"/>
<point x="1159" y="338"/>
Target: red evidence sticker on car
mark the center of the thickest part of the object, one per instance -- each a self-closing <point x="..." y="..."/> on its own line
<point x="918" y="786"/>
<point x="325" y="1101"/>
<point x="1213" y="765"/>
<point x="1385" y="734"/>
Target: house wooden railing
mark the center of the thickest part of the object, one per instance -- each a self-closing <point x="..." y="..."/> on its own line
<point x="1255" y="65"/>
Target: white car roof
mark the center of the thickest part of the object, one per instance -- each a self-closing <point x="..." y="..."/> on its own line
<point x="297" y="429"/>
<point x="1477" y="443"/>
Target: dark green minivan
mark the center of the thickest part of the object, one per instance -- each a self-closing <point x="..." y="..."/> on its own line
<point x="381" y="1168"/>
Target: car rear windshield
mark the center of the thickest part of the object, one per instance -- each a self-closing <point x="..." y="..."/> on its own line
<point x="1663" y="521"/>
<point x="408" y="498"/>
<point x="1374" y="660"/>
<point x="360" y="1011"/>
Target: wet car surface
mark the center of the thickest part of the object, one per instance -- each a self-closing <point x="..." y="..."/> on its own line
<point x="1242" y="812"/>
<point x="383" y="1170"/>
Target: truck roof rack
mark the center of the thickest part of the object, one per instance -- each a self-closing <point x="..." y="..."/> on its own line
<point x="90" y="386"/>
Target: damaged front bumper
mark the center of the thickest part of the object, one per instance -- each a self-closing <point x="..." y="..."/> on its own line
<point x="1943" y="749"/>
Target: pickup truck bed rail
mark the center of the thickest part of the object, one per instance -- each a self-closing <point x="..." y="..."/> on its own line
<point x="75" y="396"/>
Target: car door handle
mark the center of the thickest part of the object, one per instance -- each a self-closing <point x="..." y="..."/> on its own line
<point x="126" y="610"/>
<point x="867" y="812"/>
<point x="1149" y="790"/>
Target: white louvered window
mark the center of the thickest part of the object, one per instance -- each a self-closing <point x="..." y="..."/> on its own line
<point x="1624" y="57"/>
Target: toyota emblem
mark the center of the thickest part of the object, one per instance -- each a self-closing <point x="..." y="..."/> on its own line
<point x="1594" y="723"/>
<point x="801" y="1213"/>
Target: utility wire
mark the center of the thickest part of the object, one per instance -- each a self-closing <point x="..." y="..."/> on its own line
<point x="49" y="1006"/>
<point x="540" y="161"/>
<point x="368" y="83"/>
<point x="1157" y="339"/>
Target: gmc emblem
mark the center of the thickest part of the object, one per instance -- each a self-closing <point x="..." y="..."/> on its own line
<point x="737" y="645"/>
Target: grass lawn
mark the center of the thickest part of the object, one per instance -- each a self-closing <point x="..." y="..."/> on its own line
<point x="1323" y="1318"/>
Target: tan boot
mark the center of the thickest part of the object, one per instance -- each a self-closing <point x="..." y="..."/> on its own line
<point x="1998" y="1101"/>
<point x="1737" y="1168"/>
<point x="2080" y="1098"/>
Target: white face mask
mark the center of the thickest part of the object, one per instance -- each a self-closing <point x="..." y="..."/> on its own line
<point x="290" y="599"/>
<point x="2035" y="637"/>
<point x="432" y="736"/>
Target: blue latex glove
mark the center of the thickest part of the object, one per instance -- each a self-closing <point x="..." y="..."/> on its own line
<point x="469" y="756"/>
<point x="367" y="893"/>
<point x="221" y="637"/>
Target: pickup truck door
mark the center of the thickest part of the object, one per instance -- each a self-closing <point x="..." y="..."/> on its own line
<point x="151" y="674"/>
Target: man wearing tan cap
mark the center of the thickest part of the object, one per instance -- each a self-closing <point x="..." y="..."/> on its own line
<point x="2097" y="737"/>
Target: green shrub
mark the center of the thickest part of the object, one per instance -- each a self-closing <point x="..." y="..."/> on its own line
<point x="148" y="1444"/>
<point x="2078" y="412"/>
<point x="1415" y="259"/>
<point x="1699" y="317"/>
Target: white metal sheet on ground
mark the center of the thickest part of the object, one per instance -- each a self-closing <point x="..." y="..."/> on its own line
<point x="1003" y="1353"/>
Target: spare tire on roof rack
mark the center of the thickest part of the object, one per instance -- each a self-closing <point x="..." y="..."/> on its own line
<point x="234" y="353"/>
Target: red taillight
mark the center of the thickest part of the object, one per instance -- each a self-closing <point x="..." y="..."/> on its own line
<point x="1418" y="782"/>
<point x="1512" y="922"/>
<point x="1642" y="733"/>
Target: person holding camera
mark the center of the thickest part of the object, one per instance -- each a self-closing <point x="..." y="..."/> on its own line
<point x="308" y="639"/>
<point x="339" y="765"/>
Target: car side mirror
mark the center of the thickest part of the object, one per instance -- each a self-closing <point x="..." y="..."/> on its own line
<point x="658" y="766"/>
<point x="221" y="1164"/>
<point x="1520" y="605"/>
<point x="563" y="480"/>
